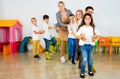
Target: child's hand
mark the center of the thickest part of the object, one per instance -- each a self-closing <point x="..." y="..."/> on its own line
<point x="67" y="25"/>
<point x="56" y="28"/>
<point x="95" y="38"/>
<point x="73" y="33"/>
<point x="42" y="31"/>
<point x="83" y="37"/>
<point x="54" y="25"/>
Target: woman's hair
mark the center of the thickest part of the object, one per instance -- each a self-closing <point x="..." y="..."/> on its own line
<point x="61" y="2"/>
<point x="83" y="21"/>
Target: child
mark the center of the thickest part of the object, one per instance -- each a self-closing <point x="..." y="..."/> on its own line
<point x="47" y="37"/>
<point x="89" y="9"/>
<point x="88" y="35"/>
<point x="72" y="28"/>
<point x="36" y="37"/>
<point x="79" y="15"/>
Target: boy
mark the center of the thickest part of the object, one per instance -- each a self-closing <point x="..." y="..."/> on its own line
<point x="72" y="28"/>
<point x="36" y="37"/>
<point x="48" y="37"/>
<point x="89" y="9"/>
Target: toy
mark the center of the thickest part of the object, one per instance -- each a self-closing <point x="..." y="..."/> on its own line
<point x="10" y="36"/>
<point x="23" y="45"/>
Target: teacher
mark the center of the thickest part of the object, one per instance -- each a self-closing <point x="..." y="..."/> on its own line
<point x="62" y="22"/>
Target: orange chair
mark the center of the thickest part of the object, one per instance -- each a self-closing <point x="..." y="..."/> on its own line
<point x="41" y="50"/>
<point x="103" y="42"/>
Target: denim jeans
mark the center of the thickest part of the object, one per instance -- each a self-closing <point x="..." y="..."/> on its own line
<point x="86" y="51"/>
<point x="47" y="43"/>
<point x="72" y="47"/>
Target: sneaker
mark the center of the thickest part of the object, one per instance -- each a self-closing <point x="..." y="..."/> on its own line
<point x="91" y="73"/>
<point x="37" y="56"/>
<point x="73" y="62"/>
<point x="63" y="59"/>
<point x="48" y="57"/>
<point x="82" y="75"/>
<point x="69" y="57"/>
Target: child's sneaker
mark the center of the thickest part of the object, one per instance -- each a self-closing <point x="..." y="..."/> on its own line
<point x="47" y="56"/>
<point x="73" y="62"/>
<point x="91" y="73"/>
<point x="82" y="75"/>
<point x="36" y="57"/>
<point x="69" y="57"/>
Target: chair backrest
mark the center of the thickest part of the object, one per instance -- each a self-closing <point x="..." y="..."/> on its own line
<point x="104" y="41"/>
<point x="115" y="41"/>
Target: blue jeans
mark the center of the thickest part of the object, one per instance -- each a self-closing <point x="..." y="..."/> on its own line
<point x="47" y="43"/>
<point x="86" y="51"/>
<point x="72" y="47"/>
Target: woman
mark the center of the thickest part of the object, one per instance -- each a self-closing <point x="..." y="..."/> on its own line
<point x="62" y="22"/>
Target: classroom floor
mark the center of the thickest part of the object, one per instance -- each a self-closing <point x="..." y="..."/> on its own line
<point x="23" y="66"/>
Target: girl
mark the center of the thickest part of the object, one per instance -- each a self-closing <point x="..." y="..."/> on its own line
<point x="87" y="35"/>
<point x="79" y="15"/>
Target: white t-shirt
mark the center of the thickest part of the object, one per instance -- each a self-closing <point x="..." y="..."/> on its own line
<point x="79" y="21"/>
<point x="88" y="31"/>
<point x="35" y="36"/>
<point x="72" y="28"/>
<point x="47" y="33"/>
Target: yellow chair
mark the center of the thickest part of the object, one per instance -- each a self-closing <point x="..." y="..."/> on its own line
<point x="115" y="42"/>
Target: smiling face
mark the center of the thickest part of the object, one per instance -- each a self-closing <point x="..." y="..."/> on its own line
<point x="87" y="20"/>
<point x="78" y="15"/>
<point x="34" y="21"/>
<point x="72" y="19"/>
<point x="46" y="21"/>
<point x="61" y="6"/>
<point x="90" y="11"/>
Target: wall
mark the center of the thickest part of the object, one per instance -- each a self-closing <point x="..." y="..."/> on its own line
<point x="106" y="13"/>
<point x="1" y="10"/>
